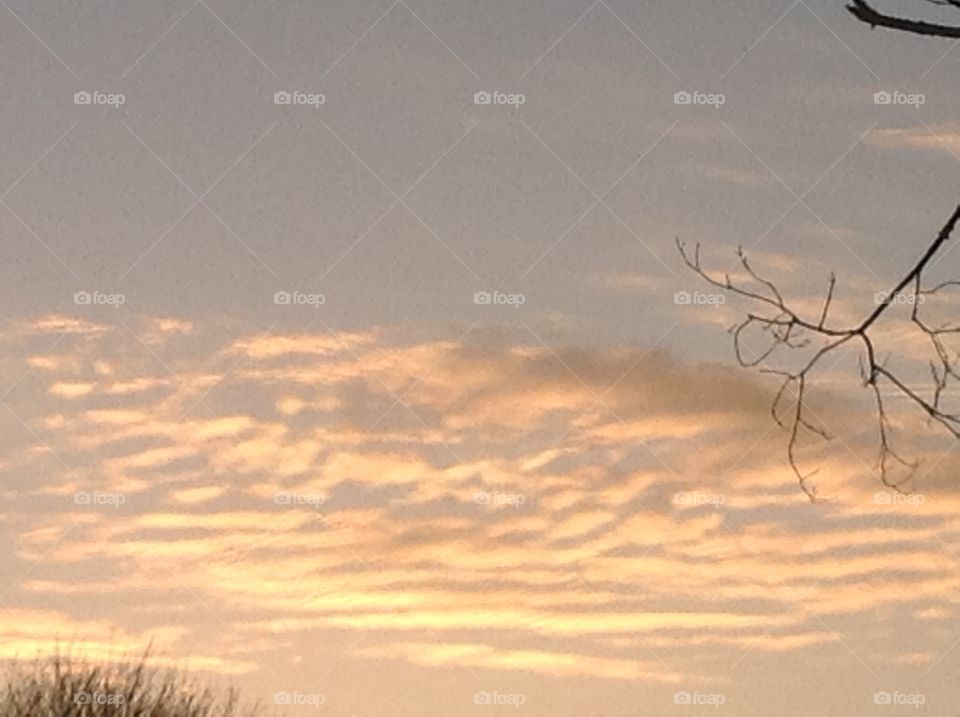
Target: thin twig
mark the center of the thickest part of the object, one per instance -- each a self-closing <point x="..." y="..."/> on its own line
<point x="786" y="328"/>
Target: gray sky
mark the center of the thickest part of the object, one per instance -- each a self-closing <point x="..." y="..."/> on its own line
<point x="399" y="400"/>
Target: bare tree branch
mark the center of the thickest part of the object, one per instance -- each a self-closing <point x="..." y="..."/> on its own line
<point x="864" y="12"/>
<point x="786" y="328"/>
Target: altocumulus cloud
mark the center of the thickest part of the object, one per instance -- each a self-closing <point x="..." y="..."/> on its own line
<point x="551" y="510"/>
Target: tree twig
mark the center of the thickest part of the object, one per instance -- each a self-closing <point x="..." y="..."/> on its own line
<point x="786" y="328"/>
<point x="864" y="12"/>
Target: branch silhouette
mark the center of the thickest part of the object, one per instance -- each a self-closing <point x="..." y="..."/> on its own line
<point x="864" y="12"/>
<point x="786" y="328"/>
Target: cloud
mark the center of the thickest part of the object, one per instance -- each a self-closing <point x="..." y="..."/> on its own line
<point x="28" y="633"/>
<point x="554" y="664"/>
<point x="72" y="390"/>
<point x="943" y="138"/>
<point x="496" y="495"/>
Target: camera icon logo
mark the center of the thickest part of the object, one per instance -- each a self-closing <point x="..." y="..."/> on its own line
<point x="482" y="298"/>
<point x="482" y="698"/>
<point x="482" y="98"/>
<point x="82" y="298"/>
<point x="682" y="698"/>
<point x="282" y="98"/>
<point x="882" y="98"/>
<point x="682" y="98"/>
<point x="882" y="698"/>
<point x="682" y="298"/>
<point x="82" y="98"/>
<point x="282" y="298"/>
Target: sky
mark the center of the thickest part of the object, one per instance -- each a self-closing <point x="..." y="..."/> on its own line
<point x="386" y="400"/>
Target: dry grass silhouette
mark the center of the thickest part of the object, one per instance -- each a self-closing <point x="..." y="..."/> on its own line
<point x="64" y="687"/>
